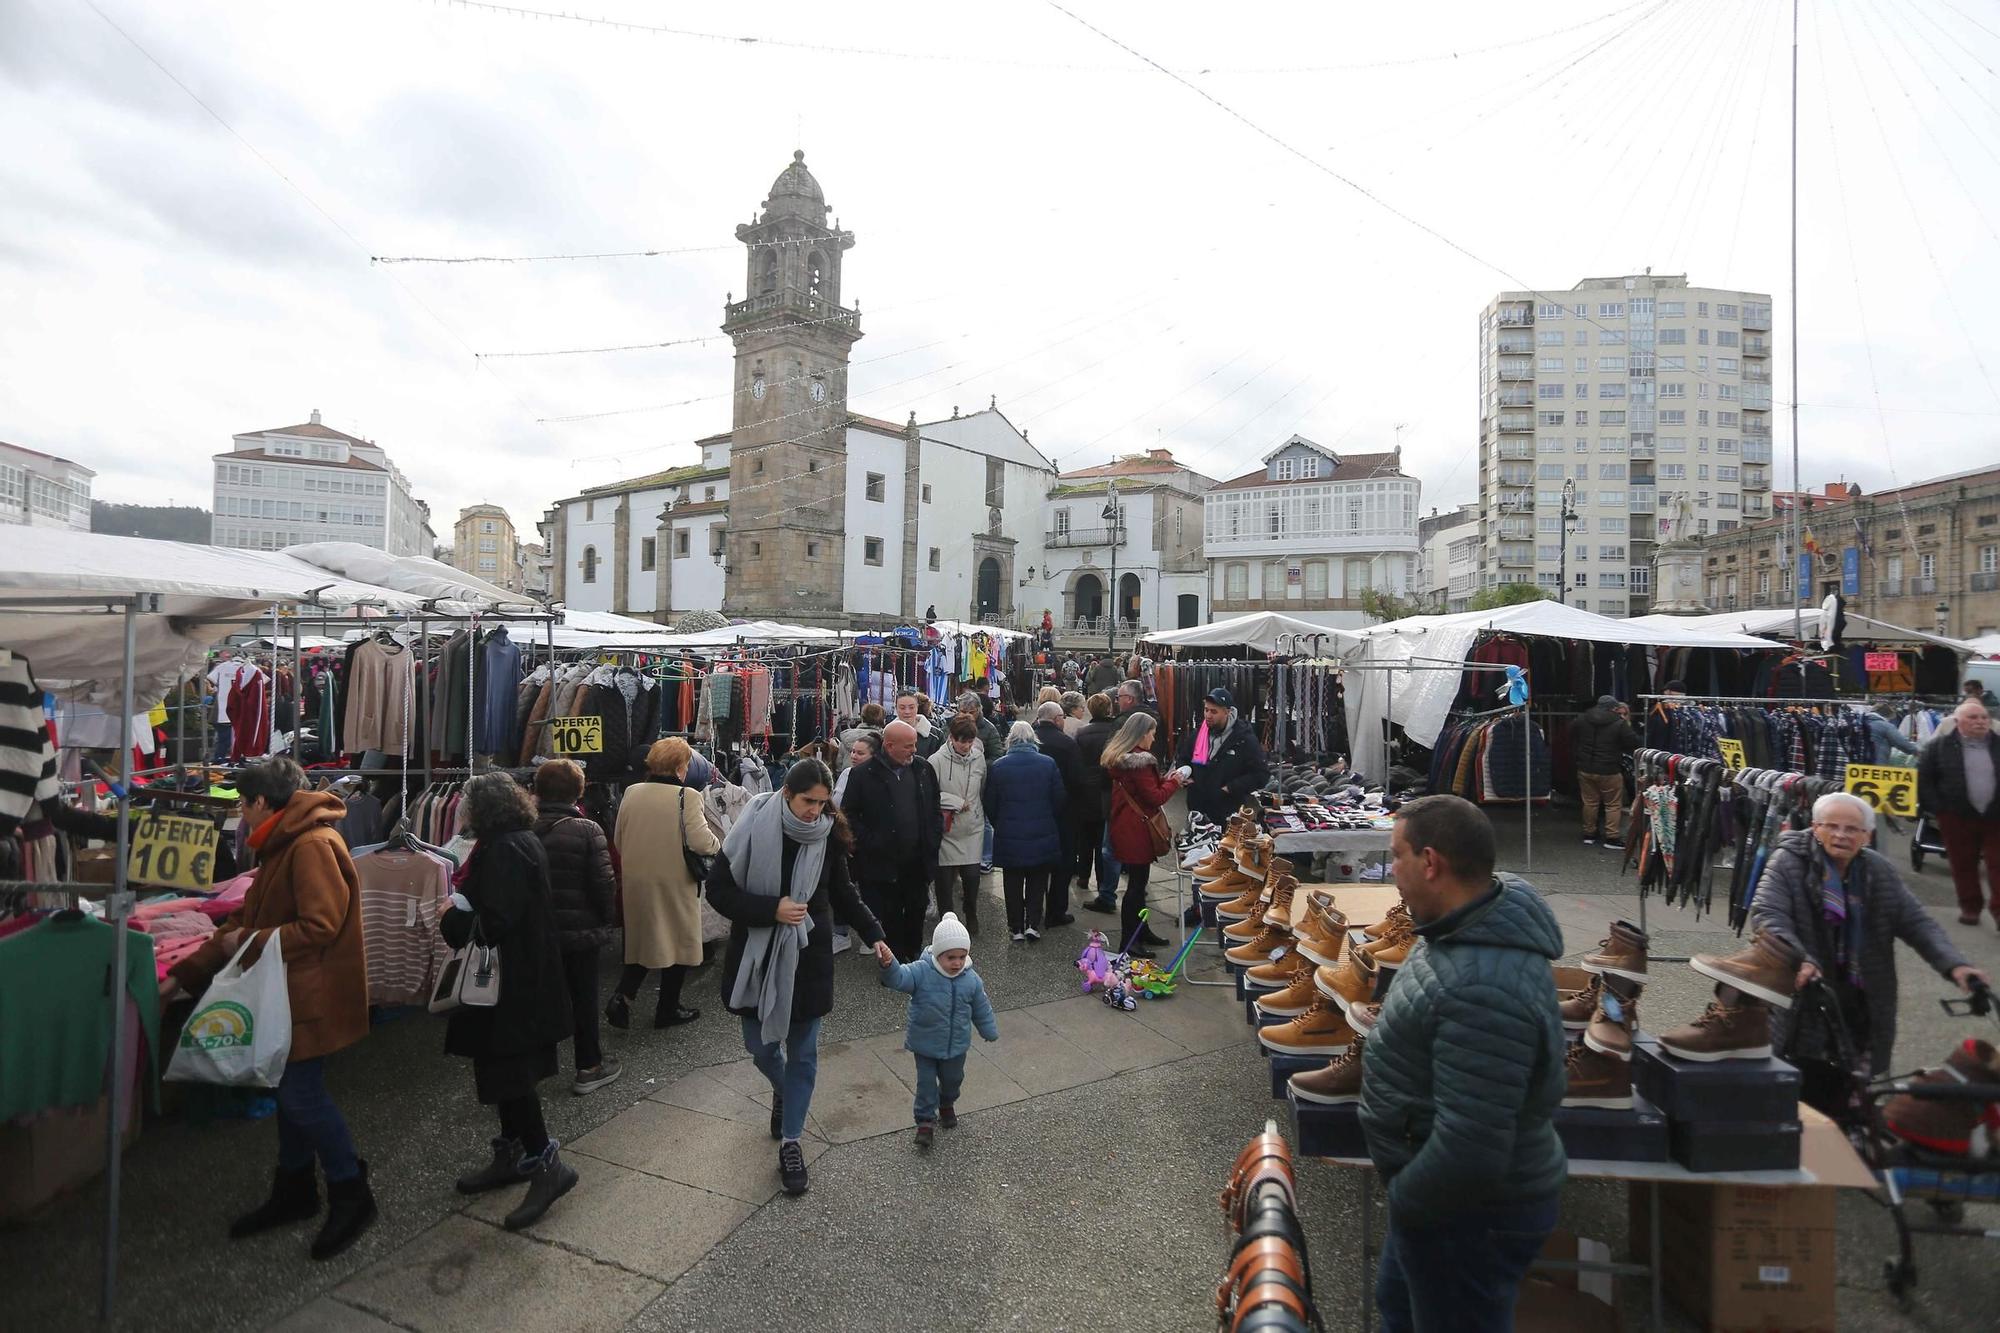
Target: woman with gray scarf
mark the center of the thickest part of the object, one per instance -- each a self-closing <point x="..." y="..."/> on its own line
<point x="782" y="887"/>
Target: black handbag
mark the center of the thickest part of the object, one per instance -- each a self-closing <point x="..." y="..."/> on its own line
<point x="698" y="865"/>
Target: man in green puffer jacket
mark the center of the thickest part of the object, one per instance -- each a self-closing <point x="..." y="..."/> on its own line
<point x="1460" y="1077"/>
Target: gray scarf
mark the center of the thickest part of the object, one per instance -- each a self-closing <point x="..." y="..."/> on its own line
<point x="755" y="848"/>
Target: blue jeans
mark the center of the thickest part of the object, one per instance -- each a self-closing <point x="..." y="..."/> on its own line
<point x="792" y="1073"/>
<point x="1107" y="869"/>
<point x="310" y="1125"/>
<point x="986" y="847"/>
<point x="937" y="1081"/>
<point x="220" y="740"/>
<point x="1462" y="1274"/>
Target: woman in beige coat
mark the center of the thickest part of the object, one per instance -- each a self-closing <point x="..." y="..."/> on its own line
<point x="658" y="820"/>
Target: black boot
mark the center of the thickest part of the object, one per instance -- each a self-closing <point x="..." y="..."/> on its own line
<point x="294" y="1198"/>
<point x="350" y="1210"/>
<point x="552" y="1179"/>
<point x="508" y="1167"/>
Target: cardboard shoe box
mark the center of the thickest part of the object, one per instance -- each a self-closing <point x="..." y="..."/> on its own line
<point x="1737" y="1090"/>
<point x="1736" y="1145"/>
<point x="1748" y="1258"/>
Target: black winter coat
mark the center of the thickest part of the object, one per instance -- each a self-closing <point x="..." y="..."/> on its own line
<point x="1236" y="767"/>
<point x="1941" y="777"/>
<point x="630" y="728"/>
<point x="1090" y="743"/>
<point x="1600" y="740"/>
<point x="581" y="884"/>
<point x="1079" y="795"/>
<point x="834" y="899"/>
<point x="870" y="806"/>
<point x="508" y="885"/>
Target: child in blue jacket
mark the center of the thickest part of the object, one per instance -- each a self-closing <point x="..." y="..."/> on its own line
<point x="947" y="1001"/>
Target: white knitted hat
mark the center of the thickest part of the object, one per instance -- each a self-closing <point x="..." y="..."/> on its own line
<point x="950" y="934"/>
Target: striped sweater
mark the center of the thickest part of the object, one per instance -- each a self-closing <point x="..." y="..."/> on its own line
<point x="27" y="759"/>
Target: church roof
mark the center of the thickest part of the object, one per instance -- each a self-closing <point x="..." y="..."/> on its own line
<point x="796" y="194"/>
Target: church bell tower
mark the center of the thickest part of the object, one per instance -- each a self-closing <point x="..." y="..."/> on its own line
<point x="788" y="440"/>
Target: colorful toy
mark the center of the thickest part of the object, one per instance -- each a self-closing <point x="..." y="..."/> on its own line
<point x="1141" y="978"/>
<point x="1118" y="997"/>
<point x="1094" y="963"/>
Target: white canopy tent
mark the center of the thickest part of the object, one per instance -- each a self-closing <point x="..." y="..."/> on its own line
<point x="453" y="591"/>
<point x="1260" y="631"/>
<point x="964" y="627"/>
<point x="1775" y="621"/>
<point x="1415" y="663"/>
<point x="1986" y="645"/>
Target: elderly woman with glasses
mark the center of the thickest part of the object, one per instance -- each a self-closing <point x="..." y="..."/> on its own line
<point x="1837" y="906"/>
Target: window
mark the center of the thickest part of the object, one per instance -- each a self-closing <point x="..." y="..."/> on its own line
<point x="1550" y="418"/>
<point x="1677" y="389"/>
<point x="708" y="493"/>
<point x="487" y="525"/>
<point x="1551" y="552"/>
<point x="812" y="465"/>
<point x="1611" y="444"/>
<point x="1550" y="364"/>
<point x="1611" y="363"/>
<point x="1583" y="444"/>
<point x="1610" y="391"/>
<point x="1673" y="471"/>
<point x="1611" y="338"/>
<point x="1725" y="445"/>
<point x="757" y="467"/>
<point x="871" y="550"/>
<point x="1727" y="472"/>
<point x="1549" y="444"/>
<point x="682" y="541"/>
<point x="1611" y="580"/>
<point x="812" y="550"/>
<point x="1701" y="472"/>
<point x="1726" y="365"/>
<point x="1236" y="582"/>
<point x="1673" y="416"/>
<point x="1550" y="472"/>
<point x="1583" y="392"/>
<point x="1583" y="416"/>
<point x="877" y="485"/>
<point x="1582" y="474"/>
<point x="1541" y="391"/>
<point x="1610" y="553"/>
<point x="996" y="483"/>
<point x="1315" y="578"/>
<point x="1309" y="468"/>
<point x="1726" y="392"/>
<point x="1672" y="444"/>
<point x="1611" y="499"/>
<point x="1611" y="310"/>
<point x="756" y="548"/>
<point x="937" y="559"/>
<point x="1672" y="337"/>
<point x="647" y="550"/>
<point x="1926" y="566"/>
<point x="1727" y="500"/>
<point x="590" y="564"/>
<point x="1611" y="472"/>
<point x="1283" y="469"/>
<point x="1548" y="310"/>
<point x="1701" y="337"/>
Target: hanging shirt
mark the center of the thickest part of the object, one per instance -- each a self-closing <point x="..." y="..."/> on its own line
<point x="225" y="676"/>
<point x="55" y="1037"/>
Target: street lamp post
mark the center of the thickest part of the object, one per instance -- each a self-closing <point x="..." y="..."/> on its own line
<point x="1111" y="521"/>
<point x="1943" y="616"/>
<point x="1562" y="563"/>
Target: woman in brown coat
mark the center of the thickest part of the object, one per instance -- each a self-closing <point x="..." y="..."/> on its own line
<point x="307" y="894"/>
<point x="657" y="820"/>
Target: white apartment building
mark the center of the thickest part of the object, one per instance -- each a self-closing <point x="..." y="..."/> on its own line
<point x="1633" y="390"/>
<point x="1449" y="572"/>
<point x="39" y="490"/>
<point x="1307" y="532"/>
<point x="1151" y="547"/>
<point x="312" y="483"/>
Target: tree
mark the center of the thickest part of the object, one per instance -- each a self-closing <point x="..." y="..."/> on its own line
<point x="1385" y="607"/>
<point x="1505" y="594"/>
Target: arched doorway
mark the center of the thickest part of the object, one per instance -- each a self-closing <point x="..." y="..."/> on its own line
<point x="1089" y="597"/>
<point x="989" y="586"/>
<point x="1128" y="598"/>
<point x="1190" y="610"/>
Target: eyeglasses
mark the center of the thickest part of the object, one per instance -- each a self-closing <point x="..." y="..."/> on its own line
<point x="1844" y="830"/>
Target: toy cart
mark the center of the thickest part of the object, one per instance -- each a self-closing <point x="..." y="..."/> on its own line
<point x="1909" y="1173"/>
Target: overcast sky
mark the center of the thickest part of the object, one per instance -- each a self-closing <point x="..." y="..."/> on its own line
<point x="1290" y="225"/>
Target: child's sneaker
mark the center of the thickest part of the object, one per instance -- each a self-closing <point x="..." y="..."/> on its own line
<point x="926" y="1133"/>
<point x="948" y="1116"/>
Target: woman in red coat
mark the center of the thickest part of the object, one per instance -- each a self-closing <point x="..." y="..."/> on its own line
<point x="1137" y="794"/>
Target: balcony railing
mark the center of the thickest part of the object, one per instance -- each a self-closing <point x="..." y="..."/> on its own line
<point x="1641" y="502"/>
<point x="1757" y="397"/>
<point x="1088" y="537"/>
<point x="1986" y="582"/>
<point x="1516" y="529"/>
<point x="1754" y="376"/>
<point x="1516" y="347"/>
<point x="1756" y="317"/>
<point x="1756" y="451"/>
<point x="1890" y="588"/>
<point x="1516" y="449"/>
<point x="1515" y="316"/>
<point x="1516" y="423"/>
<point x="1516" y="398"/>
<point x="1922" y="587"/>
<point x="1515" y="374"/>
<point x="1755" y="346"/>
<point x="1756" y="479"/>
<point x="794" y="300"/>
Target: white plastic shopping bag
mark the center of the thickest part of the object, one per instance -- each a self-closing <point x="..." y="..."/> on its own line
<point x="241" y="1032"/>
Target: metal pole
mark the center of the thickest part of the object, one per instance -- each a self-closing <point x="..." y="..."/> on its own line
<point x="1528" y="778"/>
<point x="424" y="689"/>
<point x="120" y="909"/>
<point x="1798" y="489"/>
<point x="271" y="691"/>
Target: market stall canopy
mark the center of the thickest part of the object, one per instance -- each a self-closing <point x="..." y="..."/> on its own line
<point x="1776" y="622"/>
<point x="80" y="650"/>
<point x="452" y="590"/>
<point x="1986" y="645"/>
<point x="1417" y="661"/>
<point x="1260" y="631"/>
<point x="965" y="627"/>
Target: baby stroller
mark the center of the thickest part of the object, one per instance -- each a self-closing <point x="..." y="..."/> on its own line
<point x="1908" y="1171"/>
<point x="1925" y="840"/>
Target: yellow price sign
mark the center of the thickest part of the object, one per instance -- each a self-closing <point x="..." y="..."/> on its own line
<point x="1891" y="790"/>
<point x="172" y="852"/>
<point x="1732" y="751"/>
<point x="576" y="735"/>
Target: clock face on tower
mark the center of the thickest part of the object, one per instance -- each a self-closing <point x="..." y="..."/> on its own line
<point x="757" y="388"/>
<point x="818" y="390"/>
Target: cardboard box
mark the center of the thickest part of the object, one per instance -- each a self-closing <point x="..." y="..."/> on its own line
<point x="1546" y="1306"/>
<point x="54" y="1153"/>
<point x="1284" y="1066"/>
<point x="1745" y="1258"/>
<point x="97" y="865"/>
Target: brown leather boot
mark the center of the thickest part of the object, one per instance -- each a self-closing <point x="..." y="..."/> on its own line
<point x="1339" y="1082"/>
<point x="1249" y="928"/>
<point x="1609" y="1031"/>
<point x="1400" y="912"/>
<point x="1323" y="932"/>
<point x="1598" y="1080"/>
<point x="1768" y="969"/>
<point x="1723" y="1032"/>
<point x="1578" y="1006"/>
<point x="1240" y="907"/>
<point x="1236" y="882"/>
<point x="1279" y="911"/>
<point x="1345" y="984"/>
<point x="1294" y="999"/>
<point x="1622" y="953"/>
<point x="1260" y="949"/>
<point x="1320" y="1030"/>
<point x="1280" y="972"/>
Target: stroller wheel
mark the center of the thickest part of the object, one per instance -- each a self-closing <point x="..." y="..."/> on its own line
<point x="1916" y="857"/>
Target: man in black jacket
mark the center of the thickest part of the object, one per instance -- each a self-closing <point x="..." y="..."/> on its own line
<point x="1079" y="794"/>
<point x="892" y="805"/>
<point x="1600" y="738"/>
<point x="1956" y="776"/>
<point x="581" y="890"/>
<point x="1227" y="760"/>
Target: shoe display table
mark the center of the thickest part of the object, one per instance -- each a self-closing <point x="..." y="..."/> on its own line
<point x="1361" y="904"/>
<point x="1331" y="840"/>
<point x="1826" y="1160"/>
